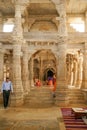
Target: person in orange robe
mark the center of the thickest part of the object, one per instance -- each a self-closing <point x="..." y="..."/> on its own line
<point x="54" y="86"/>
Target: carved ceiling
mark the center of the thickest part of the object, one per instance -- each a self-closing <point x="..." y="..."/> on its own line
<point x="44" y="7"/>
<point x="6" y="7"/>
<point x="76" y="6"/>
<point x="41" y="9"/>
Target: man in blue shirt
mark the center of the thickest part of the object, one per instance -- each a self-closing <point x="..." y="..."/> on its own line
<point x="6" y="88"/>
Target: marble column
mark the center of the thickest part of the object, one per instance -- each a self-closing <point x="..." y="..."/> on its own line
<point x="72" y="73"/>
<point x="1" y="22"/>
<point x="86" y="21"/>
<point x="32" y="72"/>
<point x="80" y="70"/>
<point x="11" y="68"/>
<point x="75" y="73"/>
<point x="61" y="9"/>
<point x="62" y="33"/>
<point x="62" y="87"/>
<point x="1" y="64"/>
<point x="41" y="64"/>
<point x="25" y="70"/>
<point x="62" y="65"/>
<point x="18" y="31"/>
<point x="84" y="82"/>
<point x="17" y="98"/>
<point x="85" y="68"/>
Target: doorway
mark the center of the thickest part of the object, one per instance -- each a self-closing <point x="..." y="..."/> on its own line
<point x="48" y="73"/>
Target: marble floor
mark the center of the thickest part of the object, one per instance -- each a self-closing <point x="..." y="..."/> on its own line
<point x="31" y="119"/>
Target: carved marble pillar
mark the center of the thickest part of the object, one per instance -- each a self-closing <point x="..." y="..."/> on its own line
<point x="11" y="68"/>
<point x="80" y="70"/>
<point x="32" y="72"/>
<point x="18" y="31"/>
<point x="1" y="64"/>
<point x="17" y="98"/>
<point x="61" y="9"/>
<point x="85" y="67"/>
<point x="25" y="70"/>
<point x="1" y="22"/>
<point x="62" y="87"/>
<point x="84" y="81"/>
<point x="72" y="73"/>
<point x="86" y="21"/>
<point x="62" y="65"/>
<point x="41" y="64"/>
<point x="75" y="73"/>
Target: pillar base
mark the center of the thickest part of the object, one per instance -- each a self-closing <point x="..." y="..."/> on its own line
<point x="62" y="97"/>
<point x="16" y="101"/>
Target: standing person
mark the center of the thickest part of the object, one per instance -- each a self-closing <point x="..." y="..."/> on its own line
<point x="6" y="88"/>
<point x="50" y="81"/>
<point x="54" y="86"/>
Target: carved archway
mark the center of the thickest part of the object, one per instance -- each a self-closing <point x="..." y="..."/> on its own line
<point x="42" y="63"/>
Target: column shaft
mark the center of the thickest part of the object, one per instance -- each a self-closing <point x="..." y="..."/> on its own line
<point x="25" y="71"/>
<point x="1" y="65"/>
<point x="17" y="41"/>
<point x="85" y="68"/>
<point x="61" y="8"/>
<point x="1" y="22"/>
<point x="86" y="21"/>
<point x="32" y="72"/>
<point x="18" y="31"/>
<point x="17" y="98"/>
<point x="62" y="65"/>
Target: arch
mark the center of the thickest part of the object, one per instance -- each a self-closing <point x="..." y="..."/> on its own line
<point x="44" y="65"/>
<point x="39" y="26"/>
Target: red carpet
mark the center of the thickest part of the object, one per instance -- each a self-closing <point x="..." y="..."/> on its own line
<point x="70" y="122"/>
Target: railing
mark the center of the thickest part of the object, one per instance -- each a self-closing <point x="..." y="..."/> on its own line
<point x="44" y="36"/>
<point x="40" y="36"/>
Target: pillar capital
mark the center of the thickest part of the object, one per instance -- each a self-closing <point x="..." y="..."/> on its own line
<point x="61" y="9"/>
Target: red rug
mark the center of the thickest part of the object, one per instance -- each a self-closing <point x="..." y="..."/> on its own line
<point x="70" y="122"/>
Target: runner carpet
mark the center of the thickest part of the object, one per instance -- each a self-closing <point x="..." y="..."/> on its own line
<point x="70" y="122"/>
